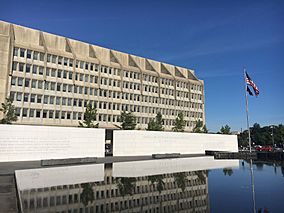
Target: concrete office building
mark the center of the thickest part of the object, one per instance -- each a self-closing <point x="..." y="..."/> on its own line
<point x="52" y="78"/>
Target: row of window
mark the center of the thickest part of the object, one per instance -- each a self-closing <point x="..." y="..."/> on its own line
<point x="68" y="115"/>
<point x="29" y="54"/>
<point x="66" y="101"/>
<point x="75" y="102"/>
<point x="70" y="88"/>
<point x="42" y="202"/>
<point x="88" y="66"/>
<point x="92" y="79"/>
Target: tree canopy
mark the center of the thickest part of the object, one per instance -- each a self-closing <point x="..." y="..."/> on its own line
<point x="199" y="127"/>
<point x="263" y="135"/>
<point x="128" y="120"/>
<point x="87" y="194"/>
<point x="225" y="130"/>
<point x="9" y="112"/>
<point x="89" y="117"/>
<point x="156" y="124"/>
<point x="179" y="123"/>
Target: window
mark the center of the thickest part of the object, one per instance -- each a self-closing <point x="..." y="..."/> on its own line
<point x="40" y="71"/>
<point x="81" y="64"/>
<point x="20" y="81"/>
<point x="27" y="82"/>
<point x="51" y="100"/>
<point x="44" y="114"/>
<point x="45" y="99"/>
<point x="64" y="101"/>
<point x="40" y="83"/>
<point x="59" y="73"/>
<point x="48" y="58"/>
<point x="14" y="66"/>
<point x="21" y="67"/>
<point x="33" y="98"/>
<point x="38" y="113"/>
<point x="81" y="77"/>
<point x="28" y="68"/>
<point x="70" y="88"/>
<point x="50" y="114"/>
<point x="47" y="71"/>
<point x="70" y="74"/>
<point x="13" y="81"/>
<point x="36" y="55"/>
<point x="29" y="54"/>
<point x="16" y="51"/>
<point x="52" y="86"/>
<point x="25" y="112"/>
<point x="26" y="97"/>
<point x="59" y="60"/>
<point x="65" y="74"/>
<point x="64" y="87"/>
<point x="86" y="78"/>
<point x="41" y="56"/>
<point x="39" y="98"/>
<point x="58" y="88"/>
<point x="19" y="96"/>
<point x="22" y="53"/>
<point x="32" y="112"/>
<point x="34" y="69"/>
<point x="34" y="83"/>
<point x="63" y="115"/>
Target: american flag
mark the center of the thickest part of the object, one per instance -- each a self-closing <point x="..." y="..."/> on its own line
<point x="250" y="83"/>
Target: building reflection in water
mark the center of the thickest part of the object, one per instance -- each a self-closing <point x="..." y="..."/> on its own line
<point x="160" y="191"/>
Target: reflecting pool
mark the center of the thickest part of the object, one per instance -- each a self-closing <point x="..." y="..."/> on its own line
<point x="199" y="184"/>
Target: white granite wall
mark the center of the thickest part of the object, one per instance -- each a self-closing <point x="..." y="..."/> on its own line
<point x="135" y="143"/>
<point x="28" y="143"/>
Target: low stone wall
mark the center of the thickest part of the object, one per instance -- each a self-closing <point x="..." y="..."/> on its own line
<point x="135" y="143"/>
<point x="29" y="143"/>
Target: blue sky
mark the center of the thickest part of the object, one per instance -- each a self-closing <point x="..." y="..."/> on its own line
<point x="215" y="38"/>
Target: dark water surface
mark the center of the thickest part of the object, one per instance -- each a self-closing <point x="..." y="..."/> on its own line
<point x="234" y="193"/>
<point x="199" y="184"/>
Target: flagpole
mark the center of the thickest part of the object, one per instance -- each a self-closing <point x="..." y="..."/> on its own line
<point x="247" y="110"/>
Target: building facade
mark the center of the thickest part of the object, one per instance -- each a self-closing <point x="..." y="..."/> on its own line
<point x="51" y="79"/>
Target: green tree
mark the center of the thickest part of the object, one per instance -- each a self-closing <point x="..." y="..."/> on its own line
<point x="180" y="179"/>
<point x="156" y="124"/>
<point x="87" y="195"/>
<point x="201" y="175"/>
<point x="199" y="127"/>
<point x="204" y="129"/>
<point x="126" y="185"/>
<point x="158" y="181"/>
<point x="9" y="112"/>
<point x="225" y="130"/>
<point x="128" y="120"/>
<point x="263" y="135"/>
<point x="228" y="171"/>
<point x="89" y="118"/>
<point x="179" y="123"/>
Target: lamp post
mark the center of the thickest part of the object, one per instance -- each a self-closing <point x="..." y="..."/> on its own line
<point x="272" y="126"/>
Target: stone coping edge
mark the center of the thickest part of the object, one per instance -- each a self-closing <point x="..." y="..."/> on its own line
<point x="68" y="161"/>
